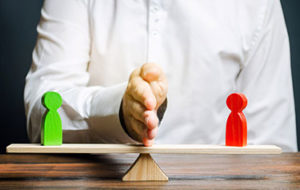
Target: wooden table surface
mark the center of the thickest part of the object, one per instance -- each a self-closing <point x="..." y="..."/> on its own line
<point x="191" y="171"/>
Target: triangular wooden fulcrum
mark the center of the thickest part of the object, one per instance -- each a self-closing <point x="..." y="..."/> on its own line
<point x="145" y="169"/>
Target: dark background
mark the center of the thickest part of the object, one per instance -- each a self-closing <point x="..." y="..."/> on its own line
<point x="18" y="20"/>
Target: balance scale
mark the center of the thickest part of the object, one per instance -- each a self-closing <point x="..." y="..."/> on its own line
<point x="144" y="168"/>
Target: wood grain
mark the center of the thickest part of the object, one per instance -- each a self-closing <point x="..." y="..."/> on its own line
<point x="185" y="171"/>
<point x="157" y="148"/>
<point x="145" y="169"/>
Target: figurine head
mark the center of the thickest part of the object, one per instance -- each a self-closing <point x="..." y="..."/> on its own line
<point x="52" y="100"/>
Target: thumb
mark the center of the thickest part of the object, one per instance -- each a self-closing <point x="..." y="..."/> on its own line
<point x="151" y="72"/>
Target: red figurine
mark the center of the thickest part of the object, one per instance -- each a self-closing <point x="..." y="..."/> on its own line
<point x="236" y="126"/>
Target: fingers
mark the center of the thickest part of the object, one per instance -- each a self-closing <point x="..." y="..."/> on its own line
<point x="159" y="90"/>
<point x="140" y="130"/>
<point x="151" y="133"/>
<point x="148" y="142"/>
<point x="137" y="129"/>
<point x="136" y="109"/>
<point x="146" y="91"/>
<point x="154" y="75"/>
<point x="148" y="85"/>
<point x="141" y="91"/>
<point x="149" y="118"/>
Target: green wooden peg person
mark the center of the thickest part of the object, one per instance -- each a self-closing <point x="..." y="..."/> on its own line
<point x="51" y="129"/>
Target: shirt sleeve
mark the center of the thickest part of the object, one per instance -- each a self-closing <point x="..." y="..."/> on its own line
<point x="266" y="81"/>
<point x="60" y="63"/>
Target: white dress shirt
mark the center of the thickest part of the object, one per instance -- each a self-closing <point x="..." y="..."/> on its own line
<point x="86" y="51"/>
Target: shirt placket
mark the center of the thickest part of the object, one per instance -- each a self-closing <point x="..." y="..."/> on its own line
<point x="154" y="30"/>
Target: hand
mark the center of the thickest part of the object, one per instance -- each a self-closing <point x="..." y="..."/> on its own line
<point x="146" y="91"/>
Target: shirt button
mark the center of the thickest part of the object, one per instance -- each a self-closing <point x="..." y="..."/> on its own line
<point x="155" y="33"/>
<point x="155" y="9"/>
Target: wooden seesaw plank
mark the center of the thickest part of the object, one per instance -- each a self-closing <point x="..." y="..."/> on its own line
<point x="157" y="148"/>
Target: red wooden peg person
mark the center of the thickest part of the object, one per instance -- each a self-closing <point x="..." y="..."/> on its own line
<point x="236" y="126"/>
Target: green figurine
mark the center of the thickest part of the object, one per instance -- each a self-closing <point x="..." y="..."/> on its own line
<point x="51" y="131"/>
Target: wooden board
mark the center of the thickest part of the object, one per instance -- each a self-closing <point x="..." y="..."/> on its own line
<point x="145" y="169"/>
<point x="157" y="148"/>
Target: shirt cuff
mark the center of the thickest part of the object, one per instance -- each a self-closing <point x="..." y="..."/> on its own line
<point x="104" y="123"/>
